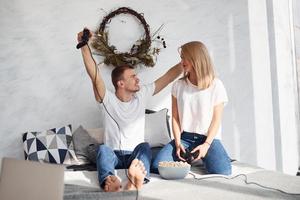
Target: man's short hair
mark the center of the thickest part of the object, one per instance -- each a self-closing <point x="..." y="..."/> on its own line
<point x="117" y="74"/>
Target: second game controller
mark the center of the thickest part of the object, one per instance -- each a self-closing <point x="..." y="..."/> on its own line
<point x="188" y="156"/>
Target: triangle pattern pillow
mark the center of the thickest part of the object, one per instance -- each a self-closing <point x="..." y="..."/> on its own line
<point x="52" y="146"/>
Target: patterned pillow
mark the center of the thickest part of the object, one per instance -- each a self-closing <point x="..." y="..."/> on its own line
<point x="53" y="146"/>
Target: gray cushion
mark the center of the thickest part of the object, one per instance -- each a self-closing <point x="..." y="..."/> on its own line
<point x="92" y="151"/>
<point x="82" y="140"/>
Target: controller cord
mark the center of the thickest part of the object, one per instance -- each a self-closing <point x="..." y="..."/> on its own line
<point x="245" y="181"/>
<point x="236" y="176"/>
<point x="120" y="131"/>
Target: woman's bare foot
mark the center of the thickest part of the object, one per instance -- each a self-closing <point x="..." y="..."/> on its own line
<point x="112" y="184"/>
<point x="136" y="174"/>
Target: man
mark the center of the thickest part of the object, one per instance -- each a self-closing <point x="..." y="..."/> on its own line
<point x="124" y="122"/>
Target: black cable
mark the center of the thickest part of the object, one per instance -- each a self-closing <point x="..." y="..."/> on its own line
<point x="245" y="180"/>
<point x="101" y="100"/>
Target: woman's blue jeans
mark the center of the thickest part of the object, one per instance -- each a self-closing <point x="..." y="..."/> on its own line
<point x="216" y="161"/>
<point x="108" y="160"/>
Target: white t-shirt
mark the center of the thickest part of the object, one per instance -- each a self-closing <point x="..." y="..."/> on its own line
<point x="195" y="107"/>
<point x="129" y="115"/>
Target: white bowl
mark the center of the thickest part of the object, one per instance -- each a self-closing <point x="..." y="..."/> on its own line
<point x="174" y="172"/>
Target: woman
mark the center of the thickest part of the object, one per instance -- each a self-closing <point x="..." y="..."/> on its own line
<point x="198" y="100"/>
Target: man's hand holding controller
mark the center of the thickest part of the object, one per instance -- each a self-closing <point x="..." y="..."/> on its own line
<point x="83" y="37"/>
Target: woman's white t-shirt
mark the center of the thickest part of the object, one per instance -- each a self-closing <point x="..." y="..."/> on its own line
<point x="195" y="106"/>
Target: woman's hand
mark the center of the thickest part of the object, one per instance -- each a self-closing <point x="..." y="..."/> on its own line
<point x="203" y="148"/>
<point x="180" y="148"/>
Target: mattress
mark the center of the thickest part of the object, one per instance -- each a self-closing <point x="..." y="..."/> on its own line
<point x="197" y="185"/>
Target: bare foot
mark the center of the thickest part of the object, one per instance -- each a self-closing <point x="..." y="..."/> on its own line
<point x="136" y="174"/>
<point x="112" y="184"/>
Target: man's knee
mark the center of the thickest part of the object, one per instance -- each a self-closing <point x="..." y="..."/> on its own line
<point x="143" y="152"/>
<point x="144" y="146"/>
<point x="103" y="149"/>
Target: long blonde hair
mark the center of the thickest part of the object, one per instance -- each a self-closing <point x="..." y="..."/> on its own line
<point x="197" y="54"/>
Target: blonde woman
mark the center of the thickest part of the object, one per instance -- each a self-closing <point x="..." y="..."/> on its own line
<point x="198" y="100"/>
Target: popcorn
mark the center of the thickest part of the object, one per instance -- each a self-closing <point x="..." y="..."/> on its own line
<point x="173" y="164"/>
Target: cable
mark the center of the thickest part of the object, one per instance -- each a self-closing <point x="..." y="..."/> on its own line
<point x="245" y="180"/>
<point x="120" y="131"/>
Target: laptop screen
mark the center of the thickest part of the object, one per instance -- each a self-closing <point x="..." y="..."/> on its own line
<point x="31" y="180"/>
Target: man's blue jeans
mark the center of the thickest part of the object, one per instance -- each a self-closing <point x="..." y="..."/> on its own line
<point x="216" y="161"/>
<point x="108" y="160"/>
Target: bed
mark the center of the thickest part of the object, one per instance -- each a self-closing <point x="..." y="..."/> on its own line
<point x="84" y="185"/>
<point x="76" y="150"/>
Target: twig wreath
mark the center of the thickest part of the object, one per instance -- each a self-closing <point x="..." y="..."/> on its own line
<point x="140" y="52"/>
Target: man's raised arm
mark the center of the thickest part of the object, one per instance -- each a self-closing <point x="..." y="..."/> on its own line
<point x="91" y="68"/>
<point x="167" y="78"/>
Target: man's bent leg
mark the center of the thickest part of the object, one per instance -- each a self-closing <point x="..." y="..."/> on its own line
<point x="143" y="153"/>
<point x="106" y="162"/>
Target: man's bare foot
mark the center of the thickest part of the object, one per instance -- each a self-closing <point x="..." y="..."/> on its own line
<point x="136" y="174"/>
<point x="112" y="184"/>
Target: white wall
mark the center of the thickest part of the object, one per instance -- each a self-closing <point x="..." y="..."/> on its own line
<point x="296" y="20"/>
<point x="43" y="83"/>
<point x="283" y="75"/>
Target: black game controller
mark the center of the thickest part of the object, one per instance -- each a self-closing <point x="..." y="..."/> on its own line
<point x="188" y="156"/>
<point x="84" y="38"/>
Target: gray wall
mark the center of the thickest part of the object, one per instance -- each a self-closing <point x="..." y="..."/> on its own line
<point x="43" y="83"/>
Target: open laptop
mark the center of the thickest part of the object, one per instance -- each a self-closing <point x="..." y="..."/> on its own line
<point x="31" y="180"/>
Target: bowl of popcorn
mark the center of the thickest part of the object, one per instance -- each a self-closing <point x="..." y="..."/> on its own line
<point x="173" y="169"/>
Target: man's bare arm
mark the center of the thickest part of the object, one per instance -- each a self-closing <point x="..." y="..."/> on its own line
<point x="167" y="78"/>
<point x="93" y="72"/>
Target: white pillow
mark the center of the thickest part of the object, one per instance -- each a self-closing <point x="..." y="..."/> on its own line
<point x="157" y="128"/>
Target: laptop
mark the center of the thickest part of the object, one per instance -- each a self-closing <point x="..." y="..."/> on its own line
<point x="31" y="180"/>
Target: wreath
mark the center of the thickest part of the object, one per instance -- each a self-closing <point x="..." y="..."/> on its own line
<point x="140" y="52"/>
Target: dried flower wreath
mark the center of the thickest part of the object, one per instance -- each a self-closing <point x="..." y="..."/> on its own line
<point x="140" y="52"/>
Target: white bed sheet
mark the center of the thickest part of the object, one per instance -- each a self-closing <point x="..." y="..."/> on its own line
<point x="90" y="178"/>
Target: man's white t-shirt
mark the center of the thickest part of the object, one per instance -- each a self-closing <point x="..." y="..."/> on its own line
<point x="195" y="106"/>
<point x="130" y="117"/>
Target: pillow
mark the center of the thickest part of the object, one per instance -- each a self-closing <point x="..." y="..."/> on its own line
<point x="53" y="146"/>
<point x="81" y="140"/>
<point x="157" y="130"/>
<point x="97" y="134"/>
<point x="92" y="151"/>
<point x="157" y="134"/>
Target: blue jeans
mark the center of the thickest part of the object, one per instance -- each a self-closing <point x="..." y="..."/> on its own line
<point x="216" y="161"/>
<point x="108" y="160"/>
